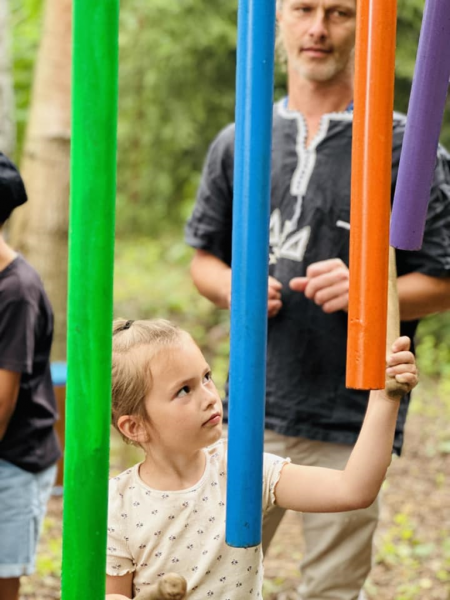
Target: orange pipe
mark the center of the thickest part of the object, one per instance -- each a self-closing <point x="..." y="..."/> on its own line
<point x="370" y="193"/>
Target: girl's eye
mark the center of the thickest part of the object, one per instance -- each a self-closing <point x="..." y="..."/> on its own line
<point x="207" y="377"/>
<point x="184" y="391"/>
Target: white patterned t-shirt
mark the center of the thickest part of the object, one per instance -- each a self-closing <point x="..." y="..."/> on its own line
<point x="152" y="532"/>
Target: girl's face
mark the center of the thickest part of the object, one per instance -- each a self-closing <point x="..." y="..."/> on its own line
<point x="183" y="407"/>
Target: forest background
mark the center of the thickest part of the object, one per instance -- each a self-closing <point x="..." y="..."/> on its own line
<point x="176" y="91"/>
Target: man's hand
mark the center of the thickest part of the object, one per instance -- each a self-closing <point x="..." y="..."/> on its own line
<point x="401" y="369"/>
<point x="326" y="283"/>
<point x="274" y="297"/>
<point x="274" y="303"/>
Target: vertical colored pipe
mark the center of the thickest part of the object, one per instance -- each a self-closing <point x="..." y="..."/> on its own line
<point x="91" y="258"/>
<point x="250" y="249"/>
<point x="425" y="113"/>
<point x="370" y="193"/>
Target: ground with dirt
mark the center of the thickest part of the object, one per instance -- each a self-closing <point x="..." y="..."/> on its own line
<point x="413" y="540"/>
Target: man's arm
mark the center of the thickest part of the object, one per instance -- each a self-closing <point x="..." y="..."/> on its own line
<point x="212" y="278"/>
<point x="421" y="295"/>
<point x="9" y="392"/>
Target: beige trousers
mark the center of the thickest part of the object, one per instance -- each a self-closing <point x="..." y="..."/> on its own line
<point x="338" y="546"/>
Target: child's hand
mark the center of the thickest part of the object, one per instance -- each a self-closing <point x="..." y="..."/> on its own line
<point x="401" y="369"/>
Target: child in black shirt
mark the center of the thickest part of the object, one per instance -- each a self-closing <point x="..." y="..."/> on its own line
<point x="29" y="447"/>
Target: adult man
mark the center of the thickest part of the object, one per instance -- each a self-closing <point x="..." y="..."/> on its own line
<point x="310" y="415"/>
<point x="28" y="445"/>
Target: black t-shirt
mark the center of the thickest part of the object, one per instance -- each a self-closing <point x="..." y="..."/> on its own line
<point x="26" y="330"/>
<point x="310" y="221"/>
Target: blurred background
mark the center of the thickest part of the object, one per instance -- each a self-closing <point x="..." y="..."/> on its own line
<point x="176" y="90"/>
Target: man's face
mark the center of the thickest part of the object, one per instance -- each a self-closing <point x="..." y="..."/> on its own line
<point x="318" y="36"/>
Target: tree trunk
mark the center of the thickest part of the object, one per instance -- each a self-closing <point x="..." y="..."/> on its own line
<point x="7" y="123"/>
<point x="39" y="229"/>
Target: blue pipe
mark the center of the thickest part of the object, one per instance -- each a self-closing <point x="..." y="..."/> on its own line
<point x="250" y="251"/>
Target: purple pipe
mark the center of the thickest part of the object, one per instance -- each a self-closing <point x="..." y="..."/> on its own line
<point x="423" y="126"/>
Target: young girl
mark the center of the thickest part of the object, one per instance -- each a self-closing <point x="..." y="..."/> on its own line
<point x="167" y="514"/>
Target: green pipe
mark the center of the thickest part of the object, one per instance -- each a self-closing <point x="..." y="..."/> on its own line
<point x="90" y="296"/>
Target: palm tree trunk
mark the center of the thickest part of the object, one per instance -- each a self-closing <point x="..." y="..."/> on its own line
<point x="39" y="229"/>
<point x="7" y="122"/>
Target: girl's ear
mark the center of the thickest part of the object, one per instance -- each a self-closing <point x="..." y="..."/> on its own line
<point x="133" y="428"/>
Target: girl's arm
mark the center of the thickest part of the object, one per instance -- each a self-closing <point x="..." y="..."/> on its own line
<point x="316" y="489"/>
<point x="119" y="587"/>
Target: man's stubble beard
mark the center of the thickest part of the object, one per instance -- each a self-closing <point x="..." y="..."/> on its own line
<point x="322" y="73"/>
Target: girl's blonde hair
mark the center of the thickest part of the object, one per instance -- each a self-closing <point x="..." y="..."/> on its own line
<point x="134" y="345"/>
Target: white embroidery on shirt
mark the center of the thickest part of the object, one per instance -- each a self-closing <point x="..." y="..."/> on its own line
<point x="286" y="240"/>
<point x="343" y="224"/>
<point x="283" y="246"/>
<point x="295" y="247"/>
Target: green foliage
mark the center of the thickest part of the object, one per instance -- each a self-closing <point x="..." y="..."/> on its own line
<point x="173" y="103"/>
<point x="177" y="78"/>
<point x="408" y="29"/>
<point x="177" y="71"/>
<point x="400" y="547"/>
<point x="48" y="562"/>
<point x="26" y="18"/>
<point x="434" y="350"/>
